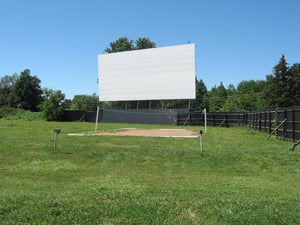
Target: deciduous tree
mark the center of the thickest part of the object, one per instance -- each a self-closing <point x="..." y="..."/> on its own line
<point x="250" y="95"/>
<point x="54" y="105"/>
<point x="26" y="92"/>
<point x="217" y="97"/>
<point x="6" y="85"/>
<point x="85" y="102"/>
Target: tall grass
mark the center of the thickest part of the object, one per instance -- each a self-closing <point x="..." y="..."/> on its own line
<point x="239" y="179"/>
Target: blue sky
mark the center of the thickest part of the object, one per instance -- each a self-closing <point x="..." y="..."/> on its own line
<point x="59" y="40"/>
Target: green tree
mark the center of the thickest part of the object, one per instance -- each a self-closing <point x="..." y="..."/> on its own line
<point x="231" y="102"/>
<point x="85" y="102"/>
<point x="124" y="44"/>
<point x="293" y="84"/>
<point x="270" y="95"/>
<point x="143" y="43"/>
<point x="54" y="105"/>
<point x="250" y="95"/>
<point x="26" y="92"/>
<point x="277" y="90"/>
<point x="6" y="85"/>
<point x="217" y="97"/>
<point x="176" y="104"/>
<point x="47" y="92"/>
<point x="281" y="77"/>
<point x="201" y="96"/>
<point x="120" y="45"/>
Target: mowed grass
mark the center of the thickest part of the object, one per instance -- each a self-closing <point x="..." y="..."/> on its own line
<point x="239" y="179"/>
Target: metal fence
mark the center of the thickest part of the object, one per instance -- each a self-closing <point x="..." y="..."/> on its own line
<point x="225" y="119"/>
<point x="80" y="115"/>
<point x="287" y="120"/>
<point x="266" y="121"/>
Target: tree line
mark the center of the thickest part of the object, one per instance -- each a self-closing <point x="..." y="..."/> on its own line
<point x="279" y="89"/>
<point x="24" y="92"/>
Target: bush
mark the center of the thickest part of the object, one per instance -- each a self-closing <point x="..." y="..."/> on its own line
<point x="14" y="113"/>
<point x="6" y="111"/>
<point x="53" y="106"/>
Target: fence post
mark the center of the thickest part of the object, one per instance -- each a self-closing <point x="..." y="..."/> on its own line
<point x="270" y="122"/>
<point x="259" y="121"/>
<point x="249" y="119"/>
<point x="255" y="121"/>
<point x="265" y="121"/>
<point x="284" y="125"/>
<point x="293" y="124"/>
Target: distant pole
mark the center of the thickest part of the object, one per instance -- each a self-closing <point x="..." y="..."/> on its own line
<point x="205" y="120"/>
<point x="97" y="118"/>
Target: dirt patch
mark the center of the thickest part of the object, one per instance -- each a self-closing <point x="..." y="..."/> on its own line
<point x="175" y="133"/>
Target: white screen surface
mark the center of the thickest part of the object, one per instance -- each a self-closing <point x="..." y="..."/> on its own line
<point x="151" y="74"/>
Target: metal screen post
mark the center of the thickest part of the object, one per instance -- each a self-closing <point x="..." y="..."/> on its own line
<point x="97" y="117"/>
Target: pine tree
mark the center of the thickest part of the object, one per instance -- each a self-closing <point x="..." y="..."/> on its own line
<point x="277" y="88"/>
<point x="281" y="79"/>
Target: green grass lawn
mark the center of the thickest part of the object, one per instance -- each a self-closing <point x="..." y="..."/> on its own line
<point x="239" y="179"/>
